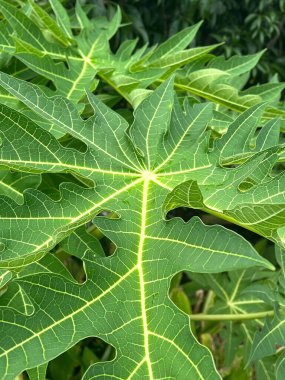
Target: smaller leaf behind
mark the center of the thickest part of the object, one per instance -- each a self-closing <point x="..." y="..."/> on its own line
<point x="267" y="341"/>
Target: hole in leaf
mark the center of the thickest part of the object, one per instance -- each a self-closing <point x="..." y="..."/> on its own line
<point x="72" y="364"/>
<point x="51" y="182"/>
<point x="185" y="293"/>
<point x="186" y="214"/>
<point x="108" y="246"/>
<point x="68" y="141"/>
<point x="246" y="185"/>
<point x="65" y="63"/>
<point x="73" y="264"/>
<point x="49" y="84"/>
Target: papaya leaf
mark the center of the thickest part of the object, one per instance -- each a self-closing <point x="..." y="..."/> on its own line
<point x="124" y="299"/>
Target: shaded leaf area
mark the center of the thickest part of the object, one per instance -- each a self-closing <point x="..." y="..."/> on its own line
<point x="232" y="294"/>
<point x="14" y="183"/>
<point x="129" y="171"/>
<point x="269" y="340"/>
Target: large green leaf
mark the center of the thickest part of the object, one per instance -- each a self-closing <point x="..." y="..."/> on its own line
<point x="125" y="299"/>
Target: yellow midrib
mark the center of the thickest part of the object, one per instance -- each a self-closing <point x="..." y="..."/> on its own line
<point x="141" y="276"/>
<point x="86" y="63"/>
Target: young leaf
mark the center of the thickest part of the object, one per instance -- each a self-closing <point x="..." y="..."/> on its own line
<point x="38" y="53"/>
<point x="128" y="71"/>
<point x="61" y="17"/>
<point x="48" y="23"/>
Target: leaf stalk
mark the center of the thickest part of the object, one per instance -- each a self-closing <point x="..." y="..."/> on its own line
<point x="231" y="317"/>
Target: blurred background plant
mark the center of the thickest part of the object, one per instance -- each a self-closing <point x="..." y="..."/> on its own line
<point x="246" y="26"/>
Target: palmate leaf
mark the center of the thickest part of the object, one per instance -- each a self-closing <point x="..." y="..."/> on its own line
<point x="235" y="291"/>
<point x="89" y="52"/>
<point x="124" y="300"/>
<point x="71" y="62"/>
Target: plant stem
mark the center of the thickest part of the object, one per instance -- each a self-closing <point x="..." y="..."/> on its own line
<point x="231" y="317"/>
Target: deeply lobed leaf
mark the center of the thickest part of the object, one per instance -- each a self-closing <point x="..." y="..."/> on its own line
<point x="125" y="297"/>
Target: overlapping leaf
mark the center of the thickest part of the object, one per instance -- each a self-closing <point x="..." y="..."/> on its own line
<point x="219" y="81"/>
<point x="124" y="299"/>
<point x="239" y="303"/>
<point x="37" y="53"/>
<point x="248" y="195"/>
<point x="14" y="183"/>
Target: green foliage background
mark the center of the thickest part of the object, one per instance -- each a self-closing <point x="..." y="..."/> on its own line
<point x="246" y="26"/>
